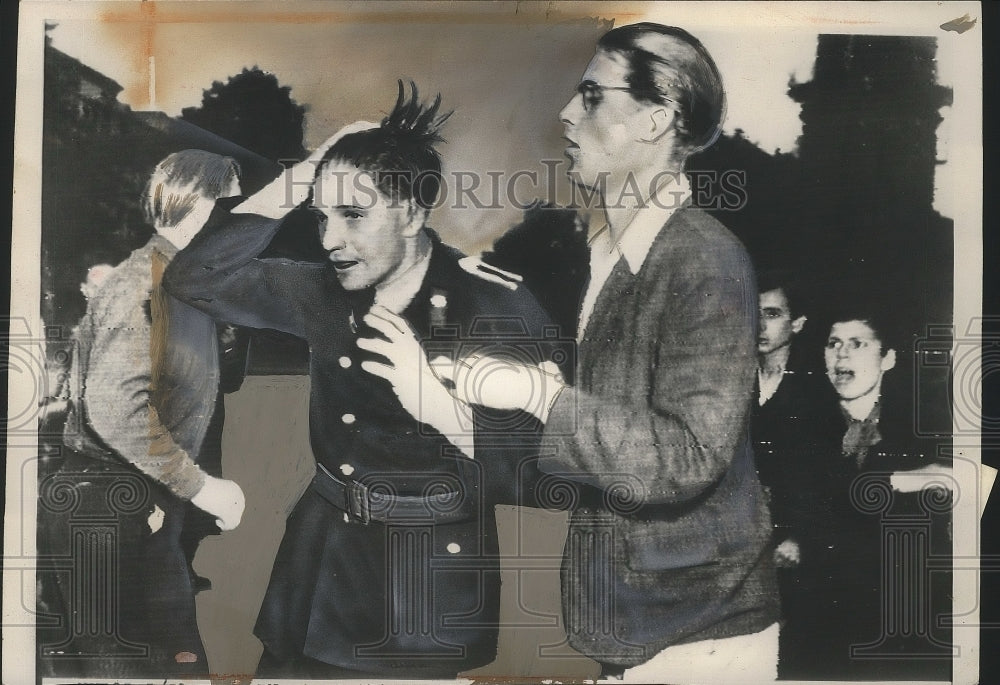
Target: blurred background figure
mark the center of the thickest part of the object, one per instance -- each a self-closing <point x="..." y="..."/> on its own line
<point x="870" y="542"/>
<point x="95" y="277"/>
<point x="144" y="383"/>
<point x="789" y="418"/>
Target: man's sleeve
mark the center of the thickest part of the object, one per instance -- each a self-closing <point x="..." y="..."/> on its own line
<point x="682" y="438"/>
<point x="219" y="274"/>
<point x="119" y="397"/>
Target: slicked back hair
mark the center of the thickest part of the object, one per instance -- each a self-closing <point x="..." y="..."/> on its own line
<point x="668" y="64"/>
<point x="400" y="153"/>
<point x="181" y="179"/>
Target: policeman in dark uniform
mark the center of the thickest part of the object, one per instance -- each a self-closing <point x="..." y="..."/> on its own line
<point x="389" y="565"/>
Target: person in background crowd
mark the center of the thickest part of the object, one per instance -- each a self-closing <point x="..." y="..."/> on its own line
<point x="875" y="550"/>
<point x="145" y="381"/>
<point x="789" y="420"/>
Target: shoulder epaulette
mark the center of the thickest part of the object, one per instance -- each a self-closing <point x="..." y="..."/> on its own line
<point x="488" y="272"/>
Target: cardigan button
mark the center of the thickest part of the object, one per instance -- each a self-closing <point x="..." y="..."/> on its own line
<point x="348" y="419"/>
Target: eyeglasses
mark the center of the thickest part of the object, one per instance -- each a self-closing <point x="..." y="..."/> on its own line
<point x="593" y="93"/>
<point x="852" y="344"/>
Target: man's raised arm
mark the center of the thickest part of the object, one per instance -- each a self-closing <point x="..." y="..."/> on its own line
<point x="219" y="273"/>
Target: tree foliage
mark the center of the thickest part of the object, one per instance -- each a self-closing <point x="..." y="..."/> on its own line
<point x="252" y="110"/>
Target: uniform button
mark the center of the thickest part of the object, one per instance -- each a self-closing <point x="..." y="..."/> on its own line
<point x="439" y="301"/>
<point x="346" y="469"/>
<point x="454" y="547"/>
<point x="348" y="419"/>
<point x="345" y="362"/>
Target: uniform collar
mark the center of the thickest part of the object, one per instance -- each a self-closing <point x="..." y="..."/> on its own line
<point x="443" y="270"/>
<point x="638" y="238"/>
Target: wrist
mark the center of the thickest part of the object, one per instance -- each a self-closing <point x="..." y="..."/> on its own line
<point x="447" y="414"/>
<point x="552" y="387"/>
<point x="188" y="482"/>
<point x="279" y="197"/>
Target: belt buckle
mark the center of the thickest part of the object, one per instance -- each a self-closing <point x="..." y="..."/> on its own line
<point x="358" y="503"/>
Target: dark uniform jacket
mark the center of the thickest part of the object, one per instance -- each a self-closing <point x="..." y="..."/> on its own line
<point x="787" y="432"/>
<point x="875" y="562"/>
<point x="409" y="596"/>
<point x="669" y="540"/>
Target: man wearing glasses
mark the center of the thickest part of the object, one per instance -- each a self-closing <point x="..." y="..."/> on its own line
<point x="667" y="571"/>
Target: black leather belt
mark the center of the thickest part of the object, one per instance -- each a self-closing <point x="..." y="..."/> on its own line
<point x="366" y="505"/>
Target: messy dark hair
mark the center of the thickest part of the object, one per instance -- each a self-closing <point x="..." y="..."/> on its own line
<point x="399" y="153"/>
<point x="877" y="317"/>
<point x="789" y="284"/>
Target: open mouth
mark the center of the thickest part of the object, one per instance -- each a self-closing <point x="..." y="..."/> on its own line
<point x="843" y="375"/>
<point x="343" y="265"/>
<point x="570" y="144"/>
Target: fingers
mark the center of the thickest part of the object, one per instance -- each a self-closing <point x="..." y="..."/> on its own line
<point x="380" y="347"/>
<point x="388" y="324"/>
<point x="355" y="127"/>
<point x="378" y="369"/>
<point x="228" y="520"/>
<point x="396" y="331"/>
<point x="399" y="345"/>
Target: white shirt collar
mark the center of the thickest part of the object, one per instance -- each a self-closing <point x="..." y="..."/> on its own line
<point x="638" y="238"/>
<point x="396" y="295"/>
<point x="768" y="385"/>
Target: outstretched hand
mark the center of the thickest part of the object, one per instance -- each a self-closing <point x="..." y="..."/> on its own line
<point x="504" y="383"/>
<point x="419" y="389"/>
